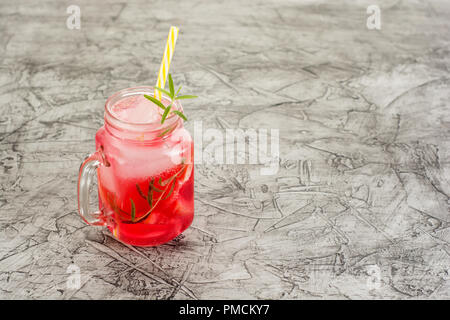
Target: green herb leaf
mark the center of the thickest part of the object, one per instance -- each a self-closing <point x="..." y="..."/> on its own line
<point x="133" y="210"/>
<point x="178" y="91"/>
<point x="165" y="114"/>
<point x="171" y="87"/>
<point x="187" y="96"/>
<point x="180" y="114"/>
<point x="163" y="91"/>
<point x="150" y="193"/>
<point x="150" y="199"/>
<point x="156" y="101"/>
<point x="171" y="189"/>
<point x="165" y="182"/>
<point x="140" y="191"/>
<point x="173" y="96"/>
<point x="164" y="132"/>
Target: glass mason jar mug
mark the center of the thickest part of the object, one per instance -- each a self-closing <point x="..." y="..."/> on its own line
<point x="145" y="175"/>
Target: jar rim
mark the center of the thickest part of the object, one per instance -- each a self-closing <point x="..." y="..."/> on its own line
<point x="171" y="121"/>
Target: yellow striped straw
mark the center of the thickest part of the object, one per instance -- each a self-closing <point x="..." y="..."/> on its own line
<point x="165" y="63"/>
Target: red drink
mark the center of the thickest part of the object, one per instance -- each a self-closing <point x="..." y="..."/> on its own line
<point x="145" y="170"/>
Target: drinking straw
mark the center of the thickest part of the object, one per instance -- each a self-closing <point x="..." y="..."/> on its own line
<point x="165" y="63"/>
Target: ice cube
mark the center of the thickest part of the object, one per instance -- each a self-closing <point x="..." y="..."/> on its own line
<point x="136" y="109"/>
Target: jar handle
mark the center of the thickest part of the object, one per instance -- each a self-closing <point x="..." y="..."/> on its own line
<point x="87" y="170"/>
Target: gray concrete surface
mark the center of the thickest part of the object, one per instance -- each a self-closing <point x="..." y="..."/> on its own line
<point x="358" y="210"/>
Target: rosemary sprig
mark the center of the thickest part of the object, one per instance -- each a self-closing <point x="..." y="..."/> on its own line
<point x="169" y="186"/>
<point x="173" y="97"/>
<point x="151" y="198"/>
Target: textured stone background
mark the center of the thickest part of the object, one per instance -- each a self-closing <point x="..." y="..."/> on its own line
<point x="359" y="208"/>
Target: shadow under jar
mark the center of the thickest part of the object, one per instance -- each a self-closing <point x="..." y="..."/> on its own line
<point x="145" y="175"/>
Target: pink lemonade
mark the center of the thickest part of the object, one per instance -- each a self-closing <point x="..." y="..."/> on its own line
<point x="146" y="180"/>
